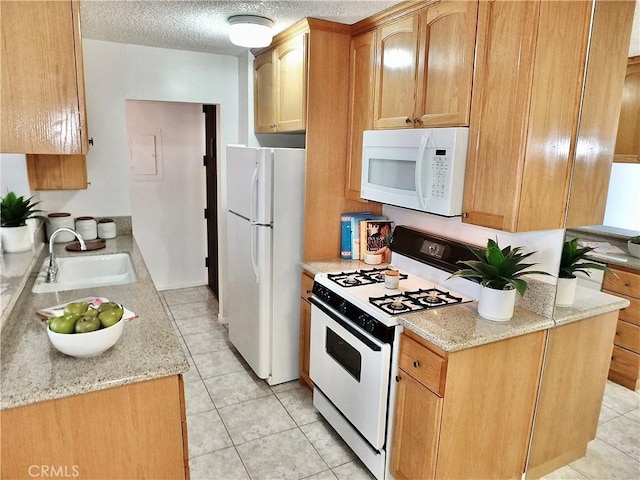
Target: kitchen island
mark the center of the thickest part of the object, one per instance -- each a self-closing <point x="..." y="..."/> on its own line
<point x="128" y="403"/>
<point x="483" y="399"/>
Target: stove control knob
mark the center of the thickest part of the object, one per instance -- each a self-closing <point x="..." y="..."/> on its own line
<point x="370" y="326"/>
<point x="362" y="319"/>
<point x="343" y="307"/>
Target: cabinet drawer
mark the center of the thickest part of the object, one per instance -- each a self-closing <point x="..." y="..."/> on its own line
<point x="306" y="286"/>
<point x="422" y="364"/>
<point x="627" y="336"/>
<point x="624" y="363"/>
<point x="630" y="314"/>
<point x="627" y="283"/>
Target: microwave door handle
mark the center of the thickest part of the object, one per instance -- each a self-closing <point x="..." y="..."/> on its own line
<point x="420" y="161"/>
<point x="253" y="225"/>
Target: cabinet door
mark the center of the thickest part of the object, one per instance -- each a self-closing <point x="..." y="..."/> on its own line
<point x="57" y="172"/>
<point x="264" y="93"/>
<point x="628" y="138"/>
<point x="361" y="83"/>
<point x="291" y="85"/>
<point x="416" y="430"/>
<point x="445" y="63"/>
<point x="396" y="74"/>
<point x="571" y="391"/>
<point x="306" y="288"/>
<point x="43" y="109"/>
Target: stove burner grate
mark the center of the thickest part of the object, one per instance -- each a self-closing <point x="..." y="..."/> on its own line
<point x="361" y="277"/>
<point x="414" y="301"/>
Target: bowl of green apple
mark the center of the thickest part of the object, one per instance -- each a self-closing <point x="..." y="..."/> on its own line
<point x="85" y="330"/>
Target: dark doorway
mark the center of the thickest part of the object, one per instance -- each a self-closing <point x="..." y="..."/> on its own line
<point x="210" y="163"/>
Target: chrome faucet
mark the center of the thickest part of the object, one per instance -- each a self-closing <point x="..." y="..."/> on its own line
<point x="52" y="269"/>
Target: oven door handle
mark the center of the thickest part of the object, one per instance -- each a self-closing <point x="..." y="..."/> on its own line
<point x="370" y="342"/>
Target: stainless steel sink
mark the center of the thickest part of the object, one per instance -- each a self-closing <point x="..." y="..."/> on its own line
<point x="79" y="272"/>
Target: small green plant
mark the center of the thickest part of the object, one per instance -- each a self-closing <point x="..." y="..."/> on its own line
<point x="573" y="260"/>
<point x="635" y="239"/>
<point x="498" y="268"/>
<point x="14" y="210"/>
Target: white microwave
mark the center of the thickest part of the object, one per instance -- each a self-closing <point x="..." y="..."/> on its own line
<point x="421" y="168"/>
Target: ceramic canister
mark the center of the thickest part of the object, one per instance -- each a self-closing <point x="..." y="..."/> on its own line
<point x="58" y="220"/>
<point x="106" y="228"/>
<point x="87" y="227"/>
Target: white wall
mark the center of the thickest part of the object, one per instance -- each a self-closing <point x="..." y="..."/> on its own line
<point x="115" y="72"/>
<point x="547" y="243"/>
<point x="173" y="200"/>
<point x="623" y="199"/>
<point x="13" y="174"/>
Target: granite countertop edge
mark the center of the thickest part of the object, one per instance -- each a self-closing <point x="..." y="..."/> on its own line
<point x="33" y="371"/>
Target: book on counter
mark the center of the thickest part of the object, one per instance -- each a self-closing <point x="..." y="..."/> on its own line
<point x="350" y="233"/>
<point x="375" y="234"/>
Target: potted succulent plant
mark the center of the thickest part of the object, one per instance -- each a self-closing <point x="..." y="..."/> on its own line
<point x="633" y="245"/>
<point x="572" y="261"/>
<point x="499" y="271"/>
<point x="14" y="213"/>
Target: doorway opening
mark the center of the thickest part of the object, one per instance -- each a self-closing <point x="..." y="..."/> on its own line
<point x="210" y="163"/>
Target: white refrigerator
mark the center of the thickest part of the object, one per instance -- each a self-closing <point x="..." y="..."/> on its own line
<point x="265" y="202"/>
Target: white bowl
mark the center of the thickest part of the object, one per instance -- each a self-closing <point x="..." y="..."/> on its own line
<point x="634" y="249"/>
<point x="85" y="345"/>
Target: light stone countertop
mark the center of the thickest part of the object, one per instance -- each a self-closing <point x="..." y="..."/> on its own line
<point x="458" y="327"/>
<point x="603" y="234"/>
<point x="32" y="370"/>
<point x="588" y="303"/>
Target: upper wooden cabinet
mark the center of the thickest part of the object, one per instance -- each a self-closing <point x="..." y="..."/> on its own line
<point x="361" y="82"/>
<point x="540" y="123"/>
<point x="424" y="67"/>
<point x="628" y="139"/>
<point x="43" y="98"/>
<point x="280" y="87"/>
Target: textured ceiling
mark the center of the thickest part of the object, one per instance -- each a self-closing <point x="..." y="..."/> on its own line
<point x="202" y="25"/>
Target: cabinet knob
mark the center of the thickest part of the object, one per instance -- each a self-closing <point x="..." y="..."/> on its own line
<point x="627" y="284"/>
<point x="91" y="141"/>
<point x="273" y="125"/>
<point x="408" y="120"/>
<point x="416" y="121"/>
<point x="465" y="215"/>
<point x="398" y="378"/>
<point x="416" y="363"/>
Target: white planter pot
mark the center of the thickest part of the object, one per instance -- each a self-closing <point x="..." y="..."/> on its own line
<point x="634" y="249"/>
<point x="496" y="305"/>
<point x="566" y="291"/>
<point x="15" y="239"/>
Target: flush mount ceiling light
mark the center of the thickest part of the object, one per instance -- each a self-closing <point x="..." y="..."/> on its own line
<point x="250" y="31"/>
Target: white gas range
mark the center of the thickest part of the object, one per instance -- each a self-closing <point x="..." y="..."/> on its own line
<point x="355" y="335"/>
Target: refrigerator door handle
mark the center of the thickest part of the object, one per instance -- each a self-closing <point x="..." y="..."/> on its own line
<point x="253" y="224"/>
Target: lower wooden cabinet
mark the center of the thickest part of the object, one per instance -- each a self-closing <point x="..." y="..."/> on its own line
<point x="625" y="359"/>
<point x="415" y="449"/>
<point x="305" y="329"/>
<point x="133" y="431"/>
<point x="570" y="398"/>
<point x="486" y="391"/>
<point x="526" y="404"/>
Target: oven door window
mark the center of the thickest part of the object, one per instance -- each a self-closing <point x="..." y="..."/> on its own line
<point x="344" y="354"/>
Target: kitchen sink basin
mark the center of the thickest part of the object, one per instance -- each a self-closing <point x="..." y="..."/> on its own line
<point x="79" y="272"/>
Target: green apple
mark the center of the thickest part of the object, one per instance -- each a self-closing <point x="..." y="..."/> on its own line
<point x="87" y="324"/>
<point x="107" y="306"/>
<point x="92" y="313"/>
<point x="110" y="317"/>
<point x="76" y="307"/>
<point x="64" y="323"/>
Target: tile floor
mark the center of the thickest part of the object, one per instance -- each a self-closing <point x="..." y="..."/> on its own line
<point x="240" y="428"/>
